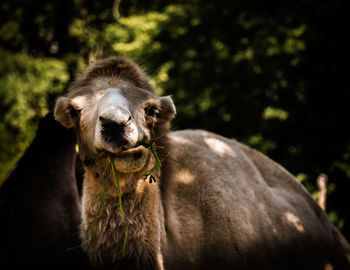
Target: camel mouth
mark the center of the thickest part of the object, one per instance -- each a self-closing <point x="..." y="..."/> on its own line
<point x="127" y="158"/>
<point x="130" y="151"/>
<point x="131" y="160"/>
<point x="107" y="150"/>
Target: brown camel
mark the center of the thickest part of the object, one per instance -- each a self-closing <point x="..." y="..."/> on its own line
<point x="40" y="206"/>
<point x="212" y="204"/>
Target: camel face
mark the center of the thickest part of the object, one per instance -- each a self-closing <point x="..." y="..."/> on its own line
<point x="115" y="118"/>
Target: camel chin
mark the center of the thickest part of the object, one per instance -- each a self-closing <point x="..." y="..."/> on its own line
<point x="131" y="160"/>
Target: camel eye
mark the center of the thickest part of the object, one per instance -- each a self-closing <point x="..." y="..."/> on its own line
<point x="152" y="111"/>
<point x="74" y="113"/>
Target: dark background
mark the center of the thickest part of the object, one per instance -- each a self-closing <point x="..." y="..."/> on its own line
<point x="272" y="74"/>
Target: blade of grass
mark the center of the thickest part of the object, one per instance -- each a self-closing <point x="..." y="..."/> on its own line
<point x="150" y="171"/>
<point x="103" y="194"/>
<point x="124" y="244"/>
<point x="155" y="155"/>
<point x="177" y="162"/>
<point x="92" y="234"/>
<point x="112" y="162"/>
<point x="118" y="187"/>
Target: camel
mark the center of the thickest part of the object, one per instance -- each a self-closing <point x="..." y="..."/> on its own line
<point x="191" y="199"/>
<point x="40" y="206"/>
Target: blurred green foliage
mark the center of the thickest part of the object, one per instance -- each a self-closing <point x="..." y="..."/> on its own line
<point x="272" y="76"/>
<point x="27" y="84"/>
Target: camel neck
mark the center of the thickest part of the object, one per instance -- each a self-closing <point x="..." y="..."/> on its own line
<point x="111" y="234"/>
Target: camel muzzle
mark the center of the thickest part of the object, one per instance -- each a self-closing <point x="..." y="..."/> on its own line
<point x="114" y="133"/>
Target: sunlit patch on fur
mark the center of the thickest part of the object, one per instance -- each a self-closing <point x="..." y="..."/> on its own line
<point x="328" y="266"/>
<point x="179" y="139"/>
<point x="295" y="221"/>
<point x="160" y="259"/>
<point x="140" y="186"/>
<point x="184" y="176"/>
<point x="79" y="102"/>
<point x="262" y="208"/>
<point x="219" y="147"/>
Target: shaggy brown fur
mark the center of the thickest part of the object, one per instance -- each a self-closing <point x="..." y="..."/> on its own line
<point x="40" y="205"/>
<point x="115" y="68"/>
<point x="227" y="207"/>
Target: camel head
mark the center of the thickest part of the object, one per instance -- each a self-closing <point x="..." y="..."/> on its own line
<point x="115" y="112"/>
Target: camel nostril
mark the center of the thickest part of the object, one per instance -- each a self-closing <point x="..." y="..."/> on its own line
<point x="114" y="132"/>
<point x="129" y="120"/>
<point x="105" y="121"/>
<point x="112" y="126"/>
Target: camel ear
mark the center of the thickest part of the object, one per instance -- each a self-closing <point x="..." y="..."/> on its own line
<point x="62" y="113"/>
<point x="168" y="109"/>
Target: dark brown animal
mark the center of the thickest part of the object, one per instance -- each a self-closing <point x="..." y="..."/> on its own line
<point x="40" y="206"/>
<point x="227" y="207"/>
